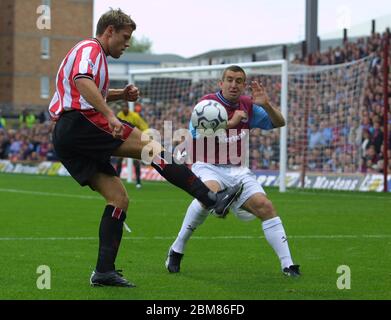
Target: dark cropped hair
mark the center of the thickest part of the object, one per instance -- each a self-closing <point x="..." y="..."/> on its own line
<point x="233" y="68"/>
<point x="116" y="18"/>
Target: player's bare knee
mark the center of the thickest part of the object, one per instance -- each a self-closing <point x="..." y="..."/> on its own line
<point x="124" y="200"/>
<point x="264" y="209"/>
<point x="120" y="200"/>
<point x="213" y="185"/>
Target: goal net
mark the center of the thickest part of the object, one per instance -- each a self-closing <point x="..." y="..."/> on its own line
<point x="327" y="118"/>
<point x="322" y="105"/>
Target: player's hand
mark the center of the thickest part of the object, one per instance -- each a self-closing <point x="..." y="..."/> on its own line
<point x="238" y="116"/>
<point x="259" y="94"/>
<point x="131" y="93"/>
<point x="116" y="127"/>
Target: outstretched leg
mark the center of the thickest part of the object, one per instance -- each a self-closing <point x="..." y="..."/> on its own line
<point x="138" y="146"/>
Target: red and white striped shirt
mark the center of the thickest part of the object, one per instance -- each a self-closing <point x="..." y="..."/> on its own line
<point x="86" y="59"/>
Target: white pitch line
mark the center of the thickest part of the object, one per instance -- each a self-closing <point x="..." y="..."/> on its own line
<point x="363" y="195"/>
<point x="331" y="237"/>
<point x="68" y="195"/>
<point x="39" y="193"/>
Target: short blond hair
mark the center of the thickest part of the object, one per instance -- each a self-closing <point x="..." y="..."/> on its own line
<point x="116" y="18"/>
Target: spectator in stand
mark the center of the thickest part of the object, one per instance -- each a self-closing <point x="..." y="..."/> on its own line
<point x="334" y="161"/>
<point x="51" y="154"/>
<point x="315" y="137"/>
<point x="379" y="167"/>
<point x="366" y="141"/>
<point x="266" y="160"/>
<point x="4" y="144"/>
<point x="327" y="132"/>
<point x="43" y="148"/>
<point x="15" y="145"/>
<point x="377" y="137"/>
<point x="268" y="152"/>
<point x="44" y="116"/>
<point x="327" y="156"/>
<point x="26" y="119"/>
<point x="298" y="161"/>
<point x="255" y="157"/>
<point x="370" y="160"/>
<point x="311" y="161"/>
<point x="355" y="134"/>
<point x="3" y="122"/>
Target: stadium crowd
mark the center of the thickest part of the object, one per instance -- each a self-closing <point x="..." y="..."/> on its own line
<point x="29" y="142"/>
<point x="338" y="133"/>
<point x="349" y="136"/>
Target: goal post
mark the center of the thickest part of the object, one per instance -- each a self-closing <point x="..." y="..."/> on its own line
<point x="213" y="73"/>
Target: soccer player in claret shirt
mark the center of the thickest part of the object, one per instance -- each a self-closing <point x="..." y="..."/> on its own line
<point x="244" y="113"/>
<point x="87" y="133"/>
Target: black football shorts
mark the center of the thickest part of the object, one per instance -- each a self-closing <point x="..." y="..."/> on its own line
<point x="84" y="144"/>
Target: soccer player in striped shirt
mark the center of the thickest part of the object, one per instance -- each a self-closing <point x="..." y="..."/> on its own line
<point x="87" y="133"/>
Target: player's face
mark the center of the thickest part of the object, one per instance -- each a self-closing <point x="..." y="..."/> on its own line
<point x="119" y="41"/>
<point x="233" y="85"/>
<point x="125" y="110"/>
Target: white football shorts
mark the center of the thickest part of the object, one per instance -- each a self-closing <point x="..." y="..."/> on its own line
<point x="228" y="176"/>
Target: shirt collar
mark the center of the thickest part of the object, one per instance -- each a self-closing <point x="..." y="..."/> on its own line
<point x="100" y="46"/>
<point x="220" y="96"/>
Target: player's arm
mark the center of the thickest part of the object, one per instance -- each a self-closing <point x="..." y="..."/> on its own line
<point x="129" y="93"/>
<point x="275" y="115"/>
<point x="261" y="98"/>
<point x="260" y="119"/>
<point x="89" y="91"/>
<point x="238" y="116"/>
<point x="115" y="94"/>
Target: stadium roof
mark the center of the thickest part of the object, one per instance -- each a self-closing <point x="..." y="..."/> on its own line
<point x="325" y="44"/>
<point x="158" y="59"/>
<point x="147" y="58"/>
<point x="234" y="51"/>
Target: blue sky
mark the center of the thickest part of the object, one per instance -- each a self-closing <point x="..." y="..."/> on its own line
<point x="191" y="27"/>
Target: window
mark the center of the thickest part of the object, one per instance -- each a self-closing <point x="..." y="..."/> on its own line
<point x="45" y="48"/>
<point x="45" y="87"/>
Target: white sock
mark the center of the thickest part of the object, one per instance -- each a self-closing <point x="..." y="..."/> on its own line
<point x="195" y="216"/>
<point x="275" y="235"/>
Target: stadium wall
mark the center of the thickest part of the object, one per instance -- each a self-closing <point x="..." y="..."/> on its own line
<point x="341" y="182"/>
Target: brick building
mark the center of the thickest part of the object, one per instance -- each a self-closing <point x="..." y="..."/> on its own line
<point x="31" y="53"/>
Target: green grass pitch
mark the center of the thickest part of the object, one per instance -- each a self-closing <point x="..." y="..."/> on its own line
<point x="52" y="221"/>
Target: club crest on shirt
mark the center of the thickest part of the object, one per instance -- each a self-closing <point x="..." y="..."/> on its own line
<point x="90" y="63"/>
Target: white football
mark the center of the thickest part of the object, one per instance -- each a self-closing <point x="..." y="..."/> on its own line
<point x="209" y="115"/>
